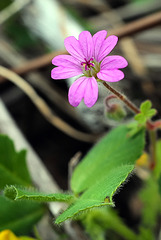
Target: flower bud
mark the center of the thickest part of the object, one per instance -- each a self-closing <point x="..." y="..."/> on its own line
<point x="114" y="111"/>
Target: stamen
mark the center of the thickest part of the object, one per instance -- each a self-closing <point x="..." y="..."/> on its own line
<point x="87" y="64"/>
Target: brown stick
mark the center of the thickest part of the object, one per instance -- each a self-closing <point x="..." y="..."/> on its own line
<point x="45" y="109"/>
<point x="138" y="25"/>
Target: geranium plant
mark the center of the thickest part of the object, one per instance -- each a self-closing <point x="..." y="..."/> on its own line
<point x="115" y="158"/>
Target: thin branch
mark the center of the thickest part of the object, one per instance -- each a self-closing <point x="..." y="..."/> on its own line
<point x="138" y="25"/>
<point x="44" y="108"/>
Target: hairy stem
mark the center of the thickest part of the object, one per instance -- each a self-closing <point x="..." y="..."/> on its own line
<point x="152" y="136"/>
<point x="128" y="103"/>
<point x="150" y="125"/>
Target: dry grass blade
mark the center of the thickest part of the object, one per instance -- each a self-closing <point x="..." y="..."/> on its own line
<point x="44" y="108"/>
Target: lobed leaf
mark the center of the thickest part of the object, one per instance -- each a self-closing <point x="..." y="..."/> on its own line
<point x="140" y="117"/>
<point x="145" y="106"/>
<point x="151" y="113"/>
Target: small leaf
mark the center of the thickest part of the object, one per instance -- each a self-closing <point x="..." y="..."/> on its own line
<point x="151" y="113"/>
<point x="145" y="106"/>
<point x="140" y="118"/>
<point x="15" y="193"/>
<point x="96" y="195"/>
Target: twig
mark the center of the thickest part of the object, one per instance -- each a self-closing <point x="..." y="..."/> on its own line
<point x="44" y="109"/>
<point x="138" y="25"/>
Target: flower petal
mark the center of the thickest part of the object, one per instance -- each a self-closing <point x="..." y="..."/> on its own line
<point x="113" y="62"/>
<point x="62" y="72"/>
<point x="86" y="88"/>
<point x="98" y="39"/>
<point x="91" y="92"/>
<point x="110" y="75"/>
<point x="76" y="91"/>
<point x="73" y="47"/>
<point x="86" y="44"/>
<point x="65" y="61"/>
<point x="107" y="46"/>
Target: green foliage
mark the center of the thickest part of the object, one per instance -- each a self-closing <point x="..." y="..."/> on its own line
<point x="114" y="150"/>
<point x="98" y="221"/>
<point x="95" y="196"/>
<point x="151" y="203"/>
<point x="16" y="193"/>
<point x="145" y="112"/>
<point x="157" y="170"/>
<point x="17" y="216"/>
<point x="134" y="128"/>
<point x="97" y="177"/>
<point x="103" y="170"/>
<point x="13" y="168"/>
<point x="4" y="4"/>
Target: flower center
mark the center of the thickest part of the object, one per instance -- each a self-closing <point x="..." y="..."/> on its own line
<point x="88" y="64"/>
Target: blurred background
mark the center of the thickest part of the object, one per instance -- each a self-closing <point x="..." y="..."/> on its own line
<point x="32" y="32"/>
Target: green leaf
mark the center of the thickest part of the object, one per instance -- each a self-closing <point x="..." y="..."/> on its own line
<point x="97" y="194"/>
<point x="15" y="193"/>
<point x="151" y="113"/>
<point x="19" y="216"/>
<point x="140" y="118"/>
<point x="134" y="128"/>
<point x="114" y="150"/>
<point x="151" y="201"/>
<point x="145" y="106"/>
<point x="159" y="183"/>
<point x="13" y="168"/>
<point x="157" y="170"/>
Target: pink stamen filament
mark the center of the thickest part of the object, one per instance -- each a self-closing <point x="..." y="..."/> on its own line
<point x="88" y="64"/>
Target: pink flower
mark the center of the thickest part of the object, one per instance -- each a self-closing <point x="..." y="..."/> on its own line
<point x="88" y="57"/>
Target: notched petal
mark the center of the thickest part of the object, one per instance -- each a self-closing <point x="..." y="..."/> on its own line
<point x="107" y="46"/>
<point x="98" y="39"/>
<point x="65" y="61"/>
<point x="113" y="62"/>
<point x="91" y="92"/>
<point x="73" y="47"/>
<point x="110" y="75"/>
<point x="63" y="73"/>
<point x="76" y="92"/>
<point x="86" y="44"/>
